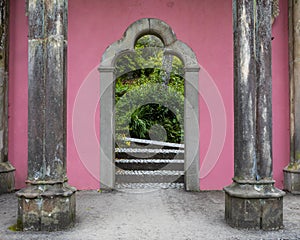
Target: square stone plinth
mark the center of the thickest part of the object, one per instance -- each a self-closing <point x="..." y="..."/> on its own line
<point x="7" y="178"/>
<point x="253" y="213"/>
<point x="292" y="180"/>
<point x="49" y="210"/>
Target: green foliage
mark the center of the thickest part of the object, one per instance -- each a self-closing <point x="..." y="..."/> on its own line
<point x="153" y="114"/>
<point x="142" y="98"/>
<point x="148" y="41"/>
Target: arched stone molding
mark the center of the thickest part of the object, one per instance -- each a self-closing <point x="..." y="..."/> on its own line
<point x="191" y="106"/>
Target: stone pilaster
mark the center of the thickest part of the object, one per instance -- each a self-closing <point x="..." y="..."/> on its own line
<point x="251" y="200"/>
<point x="7" y="180"/>
<point x="48" y="202"/>
<point x="292" y="171"/>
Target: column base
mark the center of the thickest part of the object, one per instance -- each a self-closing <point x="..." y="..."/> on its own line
<point x="46" y="207"/>
<point x="7" y="177"/>
<point x="255" y="205"/>
<point x="291" y="180"/>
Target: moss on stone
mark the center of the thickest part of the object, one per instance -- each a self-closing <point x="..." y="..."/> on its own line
<point x="16" y="227"/>
<point x="294" y="166"/>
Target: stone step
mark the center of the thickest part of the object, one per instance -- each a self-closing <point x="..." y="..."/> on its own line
<point x="157" y="176"/>
<point x="150" y="164"/>
<point x="137" y="153"/>
<point x="150" y="186"/>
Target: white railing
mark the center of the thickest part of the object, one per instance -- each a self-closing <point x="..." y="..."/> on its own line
<point x="158" y="143"/>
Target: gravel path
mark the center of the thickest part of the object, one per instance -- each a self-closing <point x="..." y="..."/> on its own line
<point x="150" y="214"/>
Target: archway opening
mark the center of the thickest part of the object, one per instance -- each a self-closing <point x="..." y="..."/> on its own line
<point x="147" y="88"/>
<point x="149" y="114"/>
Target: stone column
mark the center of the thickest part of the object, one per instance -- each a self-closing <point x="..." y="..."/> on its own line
<point x="292" y="171"/>
<point x="48" y="202"/>
<point x="7" y="180"/>
<point x="252" y="201"/>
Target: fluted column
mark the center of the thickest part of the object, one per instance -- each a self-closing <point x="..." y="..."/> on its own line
<point x="292" y="171"/>
<point x="7" y="180"/>
<point x="252" y="201"/>
<point x="48" y="203"/>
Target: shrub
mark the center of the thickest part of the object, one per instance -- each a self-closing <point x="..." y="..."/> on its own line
<point x="149" y="91"/>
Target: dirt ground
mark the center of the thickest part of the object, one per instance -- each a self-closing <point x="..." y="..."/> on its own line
<point x="150" y="214"/>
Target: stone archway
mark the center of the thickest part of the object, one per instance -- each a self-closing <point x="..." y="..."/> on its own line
<point x="191" y="103"/>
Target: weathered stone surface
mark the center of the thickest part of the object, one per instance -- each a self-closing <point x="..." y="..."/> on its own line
<point x="244" y="91"/>
<point x="256" y="204"/>
<point x="292" y="180"/>
<point x="48" y="203"/>
<point x="46" y="207"/>
<point x="254" y="213"/>
<point x="6" y="170"/>
<point x="4" y="32"/>
<point x="252" y="201"/>
<point x="263" y="35"/>
<point x="275" y="10"/>
<point x="3" y="113"/>
<point x="47" y="92"/>
<point x="253" y="90"/>
<point x="7" y="177"/>
<point x="291" y="172"/>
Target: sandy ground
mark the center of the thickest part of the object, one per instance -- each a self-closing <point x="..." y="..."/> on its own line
<point x="150" y="214"/>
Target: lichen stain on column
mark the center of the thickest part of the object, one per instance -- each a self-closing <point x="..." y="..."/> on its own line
<point x="245" y="51"/>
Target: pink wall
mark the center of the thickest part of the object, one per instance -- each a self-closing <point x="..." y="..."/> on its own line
<point x="18" y="97"/>
<point x="94" y="25"/>
<point x="281" y="127"/>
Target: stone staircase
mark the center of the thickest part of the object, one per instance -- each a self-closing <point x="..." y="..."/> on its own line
<point x="152" y="165"/>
